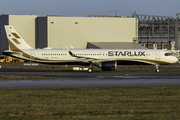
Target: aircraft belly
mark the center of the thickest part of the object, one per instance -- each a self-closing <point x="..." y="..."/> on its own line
<point x="137" y="61"/>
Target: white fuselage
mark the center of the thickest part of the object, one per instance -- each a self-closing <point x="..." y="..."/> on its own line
<point x="149" y="56"/>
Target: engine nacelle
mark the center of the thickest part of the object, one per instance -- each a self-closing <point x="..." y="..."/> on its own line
<point x="108" y="65"/>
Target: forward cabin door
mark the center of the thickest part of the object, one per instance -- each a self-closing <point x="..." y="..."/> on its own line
<point x="157" y="54"/>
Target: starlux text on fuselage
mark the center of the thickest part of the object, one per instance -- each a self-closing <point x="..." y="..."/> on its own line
<point x="126" y="53"/>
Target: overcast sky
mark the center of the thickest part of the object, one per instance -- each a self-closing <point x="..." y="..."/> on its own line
<point x="103" y="7"/>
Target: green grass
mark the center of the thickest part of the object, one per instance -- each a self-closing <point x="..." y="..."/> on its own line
<point x="24" y="77"/>
<point x="91" y="103"/>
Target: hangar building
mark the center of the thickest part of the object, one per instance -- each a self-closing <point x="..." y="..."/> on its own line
<point x="79" y="32"/>
<point x="84" y="32"/>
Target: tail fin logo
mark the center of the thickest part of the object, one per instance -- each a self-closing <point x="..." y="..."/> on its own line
<point x="16" y="41"/>
<point x="15" y="35"/>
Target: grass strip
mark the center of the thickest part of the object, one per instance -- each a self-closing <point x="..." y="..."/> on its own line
<point x="24" y="77"/>
<point x="91" y="103"/>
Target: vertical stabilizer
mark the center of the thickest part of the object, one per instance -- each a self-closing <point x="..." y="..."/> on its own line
<point x="16" y="42"/>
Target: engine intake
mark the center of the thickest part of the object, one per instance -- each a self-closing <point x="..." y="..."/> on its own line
<point x="108" y="65"/>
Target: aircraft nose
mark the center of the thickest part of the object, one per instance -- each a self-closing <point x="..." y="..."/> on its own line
<point x="175" y="60"/>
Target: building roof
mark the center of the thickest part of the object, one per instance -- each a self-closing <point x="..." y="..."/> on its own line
<point x="114" y="45"/>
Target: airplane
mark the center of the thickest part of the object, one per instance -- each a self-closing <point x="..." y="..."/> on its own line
<point x="106" y="59"/>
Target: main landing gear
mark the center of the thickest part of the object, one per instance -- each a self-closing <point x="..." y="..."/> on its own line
<point x="90" y="68"/>
<point x="157" y="68"/>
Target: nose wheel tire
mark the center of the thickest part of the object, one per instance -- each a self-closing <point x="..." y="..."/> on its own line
<point x="157" y="68"/>
<point x="157" y="71"/>
<point x="90" y="70"/>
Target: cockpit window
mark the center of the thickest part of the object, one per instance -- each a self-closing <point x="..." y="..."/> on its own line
<point x="168" y="54"/>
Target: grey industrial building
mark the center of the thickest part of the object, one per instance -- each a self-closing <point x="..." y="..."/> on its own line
<point x="84" y="32"/>
<point x="76" y="32"/>
<point x="160" y="30"/>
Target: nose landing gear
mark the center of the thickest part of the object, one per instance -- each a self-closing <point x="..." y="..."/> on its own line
<point x="157" y="68"/>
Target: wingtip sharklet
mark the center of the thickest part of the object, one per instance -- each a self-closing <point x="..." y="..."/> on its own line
<point x="69" y="51"/>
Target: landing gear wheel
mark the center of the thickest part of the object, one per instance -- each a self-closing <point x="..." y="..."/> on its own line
<point x="90" y="70"/>
<point x="157" y="68"/>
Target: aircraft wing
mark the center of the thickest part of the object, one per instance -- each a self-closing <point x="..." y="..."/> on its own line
<point x="87" y="59"/>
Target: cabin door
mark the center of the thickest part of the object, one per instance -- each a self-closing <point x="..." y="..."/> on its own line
<point x="157" y="54"/>
<point x="101" y="55"/>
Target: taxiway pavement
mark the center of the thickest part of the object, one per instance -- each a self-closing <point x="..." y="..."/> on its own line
<point x="82" y="79"/>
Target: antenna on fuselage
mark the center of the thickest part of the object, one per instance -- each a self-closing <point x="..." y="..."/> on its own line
<point x="72" y="47"/>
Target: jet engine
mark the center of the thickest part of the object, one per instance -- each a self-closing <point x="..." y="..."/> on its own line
<point x="108" y="65"/>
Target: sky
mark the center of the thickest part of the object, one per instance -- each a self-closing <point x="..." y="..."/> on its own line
<point x="100" y="7"/>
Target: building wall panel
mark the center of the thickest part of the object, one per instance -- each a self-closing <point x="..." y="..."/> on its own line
<point x="25" y="25"/>
<point x="77" y="31"/>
